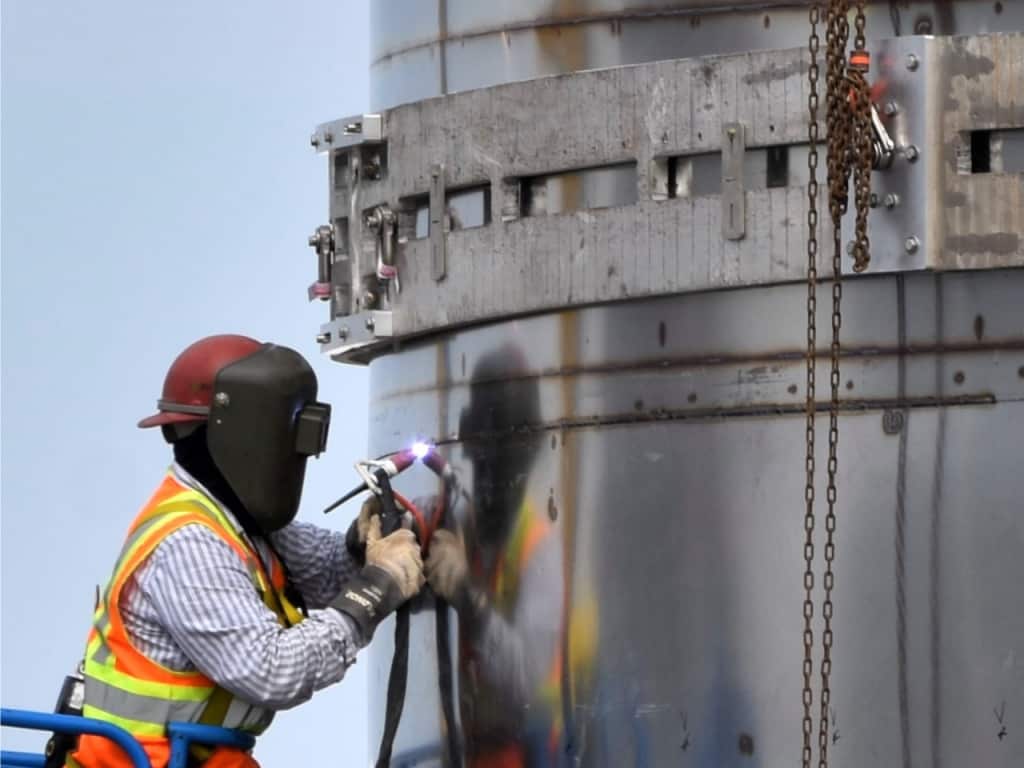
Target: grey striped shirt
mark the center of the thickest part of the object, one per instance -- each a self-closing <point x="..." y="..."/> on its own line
<point x="192" y="606"/>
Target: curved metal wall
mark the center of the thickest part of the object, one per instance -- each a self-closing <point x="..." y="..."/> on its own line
<point x="420" y="49"/>
<point x="661" y="444"/>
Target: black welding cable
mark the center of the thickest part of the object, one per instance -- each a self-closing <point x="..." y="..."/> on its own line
<point x="391" y="519"/>
<point x="446" y="684"/>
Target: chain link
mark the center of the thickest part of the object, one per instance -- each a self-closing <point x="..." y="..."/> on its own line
<point x="814" y="46"/>
<point x="850" y="154"/>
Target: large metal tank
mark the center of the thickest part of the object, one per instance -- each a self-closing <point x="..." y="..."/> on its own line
<point x="599" y="349"/>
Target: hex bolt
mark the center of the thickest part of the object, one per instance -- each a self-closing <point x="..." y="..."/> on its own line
<point x="222" y="399"/>
<point x="911" y="153"/>
<point x="369" y="323"/>
<point x="343" y="333"/>
<point x="323" y="338"/>
<point x="328" y="137"/>
<point x="891" y="200"/>
<point x="891" y="108"/>
<point x="873" y="200"/>
<point x="912" y="62"/>
<point x="911" y="244"/>
<point x="314" y="140"/>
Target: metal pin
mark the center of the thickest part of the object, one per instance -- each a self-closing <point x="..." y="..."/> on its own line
<point x="911" y="153"/>
<point x="323" y="338"/>
<point x="911" y="244"/>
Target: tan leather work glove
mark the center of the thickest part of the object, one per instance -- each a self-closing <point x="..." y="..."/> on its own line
<point x="393" y="573"/>
<point x="447" y="569"/>
<point x="398" y="554"/>
<point x="355" y="537"/>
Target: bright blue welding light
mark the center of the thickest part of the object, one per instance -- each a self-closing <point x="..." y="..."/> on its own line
<point x="420" y="449"/>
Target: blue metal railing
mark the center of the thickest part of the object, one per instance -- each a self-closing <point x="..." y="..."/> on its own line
<point x="181" y="735"/>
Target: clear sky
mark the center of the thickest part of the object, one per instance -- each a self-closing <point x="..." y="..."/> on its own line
<point x="158" y="186"/>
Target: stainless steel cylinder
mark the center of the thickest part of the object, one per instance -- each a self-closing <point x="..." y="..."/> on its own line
<point x="633" y="471"/>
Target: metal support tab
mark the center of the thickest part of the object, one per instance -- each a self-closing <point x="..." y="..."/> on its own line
<point x="734" y="214"/>
<point x="438" y="257"/>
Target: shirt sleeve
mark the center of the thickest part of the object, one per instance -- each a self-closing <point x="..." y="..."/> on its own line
<point x="318" y="561"/>
<point x="207" y="603"/>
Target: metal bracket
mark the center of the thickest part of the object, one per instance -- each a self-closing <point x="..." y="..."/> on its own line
<point x="382" y="221"/>
<point x="438" y="236"/>
<point x="734" y="214"/>
<point x="363" y="329"/>
<point x="348" y="132"/>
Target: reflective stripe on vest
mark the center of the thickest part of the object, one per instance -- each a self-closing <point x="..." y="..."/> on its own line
<point x="126" y="688"/>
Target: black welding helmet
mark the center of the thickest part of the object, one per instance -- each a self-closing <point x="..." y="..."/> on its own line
<point x="264" y="423"/>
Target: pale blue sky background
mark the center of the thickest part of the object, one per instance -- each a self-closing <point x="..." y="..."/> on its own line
<point x="158" y="186"/>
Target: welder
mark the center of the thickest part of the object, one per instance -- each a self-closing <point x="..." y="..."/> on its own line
<point x="222" y="608"/>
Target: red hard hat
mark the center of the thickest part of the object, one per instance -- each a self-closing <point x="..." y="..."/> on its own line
<point x="188" y="387"/>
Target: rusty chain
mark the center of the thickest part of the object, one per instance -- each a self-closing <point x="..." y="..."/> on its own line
<point x="850" y="154"/>
<point x="812" y="307"/>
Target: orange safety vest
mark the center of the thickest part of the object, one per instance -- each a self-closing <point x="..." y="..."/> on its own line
<point x="124" y="687"/>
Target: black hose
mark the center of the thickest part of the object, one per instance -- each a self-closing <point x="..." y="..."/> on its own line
<point x="391" y="519"/>
<point x="445" y="683"/>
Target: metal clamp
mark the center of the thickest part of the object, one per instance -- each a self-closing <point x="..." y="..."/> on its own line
<point x="884" y="147"/>
<point x="382" y="221"/>
<point x="322" y="240"/>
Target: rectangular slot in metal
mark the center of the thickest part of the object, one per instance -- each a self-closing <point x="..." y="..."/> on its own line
<point x="784" y="165"/>
<point x="469" y="208"/>
<point x="981" y="151"/>
<point x="601" y="187"/>
<point x="1007" y="151"/>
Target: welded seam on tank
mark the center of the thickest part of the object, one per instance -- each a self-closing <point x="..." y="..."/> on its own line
<point x="547" y="22"/>
<point x="707" y="361"/>
<point x="725" y="414"/>
<point x="935" y="539"/>
<point x="901" y="521"/>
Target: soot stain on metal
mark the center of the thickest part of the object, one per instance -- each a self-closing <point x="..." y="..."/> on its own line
<point x="638" y="405"/>
<point x="791" y="389"/>
<point x="776" y="73"/>
<point x="999" y="243"/>
<point x="554" y="442"/>
<point x="552" y="507"/>
<point x="959" y="377"/>
<point x="692" y="397"/>
<point x="746" y="744"/>
<point x="979" y="327"/>
<point x="849" y="383"/>
<point x="662" y="333"/>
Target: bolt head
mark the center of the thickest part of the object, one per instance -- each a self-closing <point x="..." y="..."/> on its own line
<point x="369" y="323"/>
<point x="891" y="200"/>
<point x="328" y="137"/>
<point x="222" y="399"/>
<point x="314" y="140"/>
<point x="323" y="338"/>
<point x="873" y="200"/>
<point x="343" y="333"/>
<point x="911" y="153"/>
<point x="911" y="244"/>
<point x="912" y="62"/>
<point x="891" y="108"/>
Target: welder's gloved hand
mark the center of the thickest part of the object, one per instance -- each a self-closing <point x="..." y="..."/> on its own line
<point x="447" y="568"/>
<point x="393" y="573"/>
<point x="355" y="538"/>
<point x="447" y="572"/>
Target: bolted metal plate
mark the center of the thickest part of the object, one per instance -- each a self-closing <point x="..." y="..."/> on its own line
<point x="935" y="209"/>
